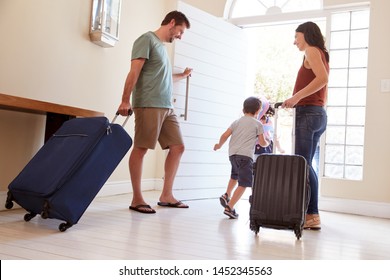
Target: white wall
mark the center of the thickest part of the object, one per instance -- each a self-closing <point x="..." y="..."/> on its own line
<point x="46" y="54"/>
<point x="215" y="7"/>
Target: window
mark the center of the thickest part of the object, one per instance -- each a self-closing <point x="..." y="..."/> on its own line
<point x="347" y="95"/>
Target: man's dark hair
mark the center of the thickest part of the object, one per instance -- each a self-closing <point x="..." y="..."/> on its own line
<point x="179" y="18"/>
<point x="252" y="105"/>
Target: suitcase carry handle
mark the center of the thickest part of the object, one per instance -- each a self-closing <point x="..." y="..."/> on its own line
<point x="129" y="113"/>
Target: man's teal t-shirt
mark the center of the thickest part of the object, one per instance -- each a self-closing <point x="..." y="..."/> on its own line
<point x="154" y="85"/>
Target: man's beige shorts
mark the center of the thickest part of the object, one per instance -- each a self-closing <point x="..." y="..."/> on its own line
<point x="156" y="124"/>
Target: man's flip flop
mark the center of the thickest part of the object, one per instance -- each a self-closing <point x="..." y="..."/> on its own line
<point x="143" y="208"/>
<point x="178" y="204"/>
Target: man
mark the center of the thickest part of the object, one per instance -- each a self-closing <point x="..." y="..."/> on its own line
<point x="150" y="82"/>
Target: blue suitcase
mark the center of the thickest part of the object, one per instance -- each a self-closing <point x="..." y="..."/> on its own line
<point x="66" y="174"/>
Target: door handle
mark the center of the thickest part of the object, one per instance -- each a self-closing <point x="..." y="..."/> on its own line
<point x="185" y="115"/>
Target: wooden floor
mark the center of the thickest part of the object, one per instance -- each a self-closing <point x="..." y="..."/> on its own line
<point x="109" y="231"/>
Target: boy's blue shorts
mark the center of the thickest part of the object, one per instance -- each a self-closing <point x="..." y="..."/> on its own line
<point x="242" y="170"/>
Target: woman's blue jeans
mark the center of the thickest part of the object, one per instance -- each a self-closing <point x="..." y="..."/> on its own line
<point x="310" y="123"/>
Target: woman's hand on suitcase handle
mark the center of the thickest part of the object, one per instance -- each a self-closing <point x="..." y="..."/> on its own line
<point x="278" y="104"/>
<point x="290" y="102"/>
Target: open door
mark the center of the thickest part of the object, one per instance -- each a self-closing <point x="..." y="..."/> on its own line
<point x="216" y="50"/>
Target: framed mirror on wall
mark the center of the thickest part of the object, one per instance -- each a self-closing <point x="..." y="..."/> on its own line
<point x="105" y="17"/>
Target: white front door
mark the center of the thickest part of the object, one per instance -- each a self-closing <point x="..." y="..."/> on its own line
<point x="216" y="50"/>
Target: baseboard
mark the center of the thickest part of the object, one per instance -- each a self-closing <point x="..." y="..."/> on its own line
<point x="123" y="187"/>
<point x="357" y="207"/>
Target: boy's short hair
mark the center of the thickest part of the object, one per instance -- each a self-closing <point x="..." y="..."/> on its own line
<point x="252" y="105"/>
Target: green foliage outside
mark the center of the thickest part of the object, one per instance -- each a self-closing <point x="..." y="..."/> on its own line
<point x="276" y="61"/>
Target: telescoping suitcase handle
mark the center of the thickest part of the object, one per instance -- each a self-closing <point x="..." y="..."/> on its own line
<point x="129" y="113"/>
<point x="277" y="105"/>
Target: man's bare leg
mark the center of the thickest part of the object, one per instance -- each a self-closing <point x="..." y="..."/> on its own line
<point x="171" y="165"/>
<point x="135" y="167"/>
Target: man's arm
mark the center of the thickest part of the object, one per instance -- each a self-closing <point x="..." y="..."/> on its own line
<point x="131" y="80"/>
<point x="179" y="76"/>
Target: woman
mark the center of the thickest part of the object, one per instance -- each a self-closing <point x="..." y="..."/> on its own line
<point x="309" y="97"/>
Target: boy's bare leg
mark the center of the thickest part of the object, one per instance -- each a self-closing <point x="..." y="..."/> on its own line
<point x="232" y="183"/>
<point x="236" y="196"/>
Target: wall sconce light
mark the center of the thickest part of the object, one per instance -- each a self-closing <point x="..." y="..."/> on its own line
<point x="105" y="22"/>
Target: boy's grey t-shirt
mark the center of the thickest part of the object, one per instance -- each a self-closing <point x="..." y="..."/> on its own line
<point x="245" y="131"/>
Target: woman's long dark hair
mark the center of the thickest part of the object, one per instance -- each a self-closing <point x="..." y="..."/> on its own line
<point x="313" y="36"/>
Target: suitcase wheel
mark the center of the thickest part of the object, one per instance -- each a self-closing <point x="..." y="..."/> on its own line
<point x="29" y="216"/>
<point x="45" y="211"/>
<point x="44" y="215"/>
<point x="64" y="226"/>
<point x="254" y="227"/>
<point x="9" y="204"/>
<point x="298" y="232"/>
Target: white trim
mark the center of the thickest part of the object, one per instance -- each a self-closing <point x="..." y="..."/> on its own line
<point x="264" y="20"/>
<point x="255" y="21"/>
<point x="229" y="6"/>
<point x="123" y="187"/>
<point x="357" y="207"/>
<point x="349" y="6"/>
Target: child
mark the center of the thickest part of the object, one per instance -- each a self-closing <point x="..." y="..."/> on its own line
<point x="265" y="112"/>
<point x="265" y="117"/>
<point x="244" y="132"/>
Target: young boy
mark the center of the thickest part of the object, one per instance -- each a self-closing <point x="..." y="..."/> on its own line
<point x="244" y="132"/>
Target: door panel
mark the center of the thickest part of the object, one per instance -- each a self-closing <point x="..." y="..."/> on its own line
<point x="216" y="50"/>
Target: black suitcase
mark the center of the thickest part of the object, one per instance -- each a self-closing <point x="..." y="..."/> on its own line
<point x="65" y="175"/>
<point x="280" y="192"/>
